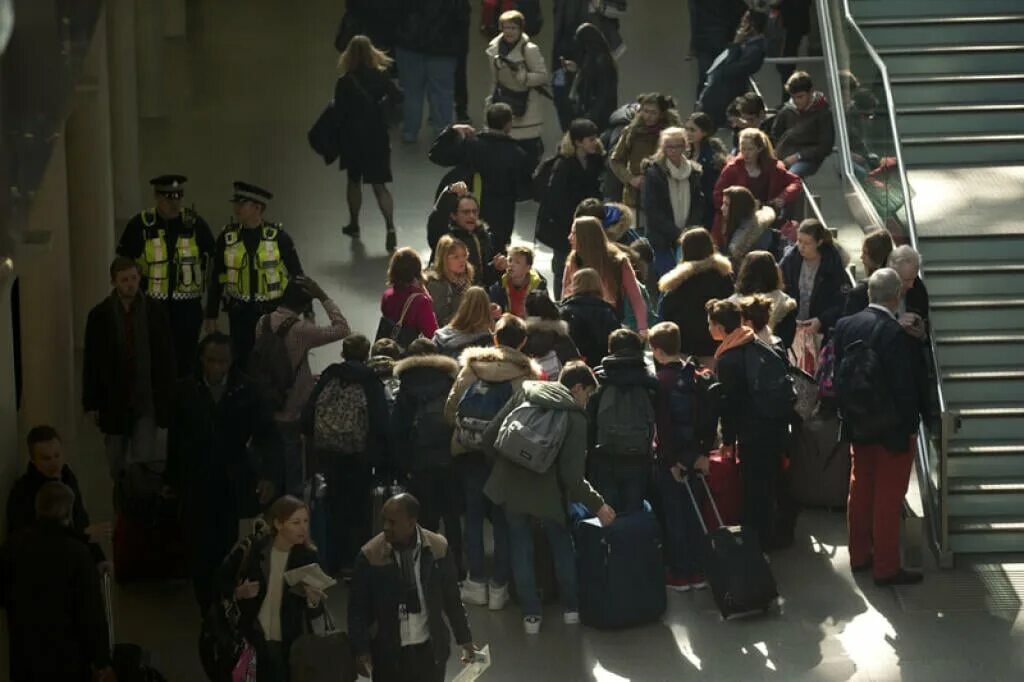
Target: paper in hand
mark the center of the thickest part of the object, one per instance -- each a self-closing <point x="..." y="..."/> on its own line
<point x="472" y="671"/>
<point x="310" y="574"/>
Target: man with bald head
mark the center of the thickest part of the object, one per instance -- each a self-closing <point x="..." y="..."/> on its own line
<point x="404" y="581"/>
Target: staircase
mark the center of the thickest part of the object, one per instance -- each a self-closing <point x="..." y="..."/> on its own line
<point x="957" y="75"/>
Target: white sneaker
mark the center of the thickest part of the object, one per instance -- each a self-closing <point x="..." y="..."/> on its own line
<point x="474" y="593"/>
<point x="497" y="597"/>
<point x="571" y="617"/>
<point x="532" y="625"/>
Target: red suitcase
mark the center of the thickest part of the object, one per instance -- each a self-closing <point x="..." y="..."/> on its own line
<point x="724" y="481"/>
<point x="148" y="550"/>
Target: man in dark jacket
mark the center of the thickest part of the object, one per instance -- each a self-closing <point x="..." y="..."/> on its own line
<point x="50" y="588"/>
<point x="430" y="36"/>
<point x="881" y="461"/>
<point x="621" y="477"/>
<point x="403" y="590"/>
<point x="457" y="212"/>
<point x="802" y="131"/>
<point x="712" y="26"/>
<point x="492" y="158"/>
<point x="46" y="464"/>
<point x="128" y="370"/>
<point x="211" y="466"/>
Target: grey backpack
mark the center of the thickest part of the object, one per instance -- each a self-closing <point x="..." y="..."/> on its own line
<point x="531" y="436"/>
<point x="625" y="422"/>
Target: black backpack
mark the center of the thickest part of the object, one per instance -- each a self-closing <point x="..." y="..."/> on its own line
<point x="866" y="404"/>
<point x="542" y="178"/>
<point x="772" y="393"/>
<point x="269" y="364"/>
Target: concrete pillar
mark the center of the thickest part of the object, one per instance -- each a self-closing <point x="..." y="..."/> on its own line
<point x="124" y="108"/>
<point x="175" y="18"/>
<point x="149" y="32"/>
<point x="90" y="185"/>
<point x="47" y="337"/>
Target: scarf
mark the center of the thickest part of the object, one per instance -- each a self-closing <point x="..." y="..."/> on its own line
<point x="679" y="191"/>
<point x="740" y="336"/>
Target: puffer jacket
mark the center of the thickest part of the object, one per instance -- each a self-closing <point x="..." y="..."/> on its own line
<point x="523" y="68"/>
<point x="636" y="144"/>
<point x="422" y="380"/>
<point x="452" y="342"/>
<point x="782" y="321"/>
<point x="686" y="289"/>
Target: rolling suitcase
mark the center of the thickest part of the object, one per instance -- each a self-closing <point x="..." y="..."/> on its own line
<point x="741" y="579"/>
<point x="621" y="573"/>
<point x="724" y="482"/>
<point x="819" y="464"/>
<point x="130" y="662"/>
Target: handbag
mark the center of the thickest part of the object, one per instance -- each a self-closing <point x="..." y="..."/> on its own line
<point x="245" y="669"/>
<point x="517" y="100"/>
<point x="321" y="657"/>
<point x="390" y="106"/>
<point x="397" y="331"/>
<point x="804" y="351"/>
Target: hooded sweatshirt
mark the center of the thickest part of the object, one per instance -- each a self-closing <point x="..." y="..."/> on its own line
<point x="809" y="133"/>
<point x="451" y="341"/>
<point x="546" y="495"/>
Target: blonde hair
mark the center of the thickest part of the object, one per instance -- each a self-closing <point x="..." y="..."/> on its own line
<point x="474" y="313"/>
<point x="670" y="132"/>
<point x="760" y="140"/>
<point x="512" y="17"/>
<point x="362" y="53"/>
<point x="587" y="282"/>
<point x="445" y="246"/>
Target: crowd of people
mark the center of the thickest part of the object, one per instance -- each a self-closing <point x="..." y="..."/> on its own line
<point x="684" y="295"/>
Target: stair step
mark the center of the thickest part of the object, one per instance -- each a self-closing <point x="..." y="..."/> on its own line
<point x="979" y="459"/>
<point x="866" y="10"/>
<point x="964" y="149"/>
<point x="941" y="20"/>
<point x="969" y="121"/>
<point x="975" y="279"/>
<point x="985" y="486"/>
<point x="978" y="349"/>
<point x="985" y="524"/>
<point x="956" y="78"/>
<point x="927" y="59"/>
<point x="951" y="88"/>
<point x="1000" y="30"/>
<point x="988" y="384"/>
<point x="989" y="421"/>
<point x="978" y="313"/>
<point x="959" y="108"/>
<point x="983" y="247"/>
<point x="992" y="497"/>
<point x="986" y="534"/>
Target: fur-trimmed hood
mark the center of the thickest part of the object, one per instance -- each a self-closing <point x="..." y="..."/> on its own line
<point x="747" y="235"/>
<point x="499" y="364"/>
<point x="626" y="221"/>
<point x="782" y="305"/>
<point x="684" y="271"/>
<point x="441" y="363"/>
<point x="379" y="552"/>
<point x="567" y="149"/>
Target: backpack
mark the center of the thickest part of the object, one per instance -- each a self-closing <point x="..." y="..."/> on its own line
<point x="866" y="405"/>
<point x="772" y="393"/>
<point x="478" y="406"/>
<point x="691" y="409"/>
<point x="532" y="436"/>
<point x="269" y="363"/>
<point x="429" y="428"/>
<point x="341" y="419"/>
<point x="625" y="422"/>
<point x="541" y="180"/>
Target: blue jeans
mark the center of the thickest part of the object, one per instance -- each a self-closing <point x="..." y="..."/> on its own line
<point x="422" y="74"/>
<point x="805" y="169"/>
<point x="622" y="486"/>
<point x="684" y="536"/>
<point x="521" y="537"/>
<point x="475" y="472"/>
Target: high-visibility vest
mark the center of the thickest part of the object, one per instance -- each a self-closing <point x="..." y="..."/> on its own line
<point x="155" y="262"/>
<point x="271" y="273"/>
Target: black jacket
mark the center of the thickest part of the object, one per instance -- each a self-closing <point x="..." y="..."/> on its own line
<point x="686" y="289"/>
<point x="571" y="182"/>
<point x="433" y="27"/>
<point x="731" y="78"/>
<point x="739" y="421"/>
<point x="133" y="240"/>
<point x="50" y="588"/>
<point x="21" y="505"/>
<point x="377" y="412"/>
<point x="917" y="300"/>
<point x="105" y="386"/>
<point x="377" y="590"/>
<point x="716" y="23"/>
<point x="830" y="285"/>
<point x="618" y="370"/>
<point x="420" y="440"/>
<point x="661" y="224"/>
<point x="504" y="168"/>
<point x="358" y="98"/>
<point x="544" y="336"/>
<point x="902" y="367"/>
<point x="591" y="320"/>
<point x="479" y="243"/>
<point x="594" y="90"/>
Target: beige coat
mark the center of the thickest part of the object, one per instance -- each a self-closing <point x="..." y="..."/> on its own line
<point x="530" y="125"/>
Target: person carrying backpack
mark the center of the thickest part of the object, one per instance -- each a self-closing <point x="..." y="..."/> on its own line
<point x="422" y="439"/>
<point x="757" y="404"/>
<point x="346" y="427"/>
<point x="279" y="364"/>
<point x="486" y="382"/>
<point x="621" y="424"/>
<point x="529" y="497"/>
<point x="878" y="379"/>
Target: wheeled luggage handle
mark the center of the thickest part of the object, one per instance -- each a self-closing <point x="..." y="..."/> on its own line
<point x="108" y="606"/>
<point x="711" y="498"/>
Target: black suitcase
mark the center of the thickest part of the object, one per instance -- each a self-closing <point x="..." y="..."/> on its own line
<point x="819" y="464"/>
<point x="741" y="579"/>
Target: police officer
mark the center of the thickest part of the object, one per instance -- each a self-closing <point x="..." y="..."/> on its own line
<point x="253" y="263"/>
<point x="173" y="247"/>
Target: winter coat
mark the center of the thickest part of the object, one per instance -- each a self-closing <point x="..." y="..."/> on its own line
<point x="548" y="495"/>
<point x="105" y="378"/>
<point x="444" y="296"/>
<point x="731" y="78"/>
<point x="686" y="289"/>
<point x="548" y="342"/>
<point x="434" y="27"/>
<point x="377" y="414"/>
<point x="384" y="367"/>
<point x="521" y="69"/>
<point x="619" y="120"/>
<point x="478" y="242"/>
<point x="809" y="132"/>
<point x="622" y="371"/>
<point x="451" y="342"/>
<point x="594" y="90"/>
<point x="378" y="589"/>
<point x="494" y="364"/>
<point x="422" y="378"/>
<point x="781" y="183"/>
<point x="754" y="234"/>
<point x="499" y="291"/>
<point x="830" y="284"/>
<point x="716" y="23"/>
<point x="661" y="221"/>
<point x="636" y="144"/>
<point x="570" y="183"/>
<point x="915" y="300"/>
<point x="711" y="156"/>
<point x="363" y="126"/>
<point x="50" y="589"/>
<point x="591" y="320"/>
<point x="783" y="317"/>
<point x="740" y="423"/>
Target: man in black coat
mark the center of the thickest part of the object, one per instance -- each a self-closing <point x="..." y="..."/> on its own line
<point x="457" y="212"/>
<point x="503" y="167"/>
<point x="46" y="464"/>
<point x="882" y="460"/>
<point x="211" y="466"/>
<point x="128" y="370"/>
<point x="403" y="590"/>
<point x="50" y="588"/>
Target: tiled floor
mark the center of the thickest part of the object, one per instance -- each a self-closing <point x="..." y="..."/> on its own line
<point x="242" y="91"/>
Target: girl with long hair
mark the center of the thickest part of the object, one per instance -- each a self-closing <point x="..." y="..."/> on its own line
<point x="471" y="325"/>
<point x="405" y="286"/>
<point x="449" y="276"/>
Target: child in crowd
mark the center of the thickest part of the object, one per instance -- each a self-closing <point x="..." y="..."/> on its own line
<point x="518" y="282"/>
<point x="591" y="318"/>
<point x="383" y="356"/>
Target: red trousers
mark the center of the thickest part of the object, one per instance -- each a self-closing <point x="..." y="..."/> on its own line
<point x="878" y="484"/>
